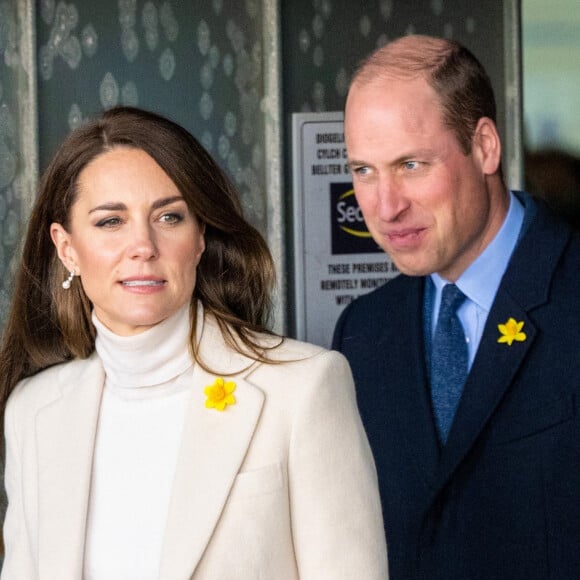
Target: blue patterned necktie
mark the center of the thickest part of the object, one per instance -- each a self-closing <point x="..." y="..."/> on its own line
<point x="448" y="360"/>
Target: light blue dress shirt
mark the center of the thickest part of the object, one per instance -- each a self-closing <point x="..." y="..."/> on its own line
<point x="482" y="278"/>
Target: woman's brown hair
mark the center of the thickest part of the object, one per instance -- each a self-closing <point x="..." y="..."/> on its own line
<point x="47" y="325"/>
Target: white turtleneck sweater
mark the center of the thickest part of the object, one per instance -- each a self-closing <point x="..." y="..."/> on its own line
<point x="138" y="438"/>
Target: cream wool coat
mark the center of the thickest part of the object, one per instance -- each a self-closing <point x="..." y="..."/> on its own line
<point x="279" y="486"/>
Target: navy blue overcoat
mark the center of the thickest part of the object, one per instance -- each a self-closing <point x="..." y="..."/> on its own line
<point x="502" y="499"/>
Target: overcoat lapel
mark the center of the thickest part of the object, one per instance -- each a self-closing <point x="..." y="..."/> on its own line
<point x="214" y="445"/>
<point x="492" y="373"/>
<point x="524" y="287"/>
<point x="213" y="448"/>
<point x="66" y="430"/>
<point x="405" y="374"/>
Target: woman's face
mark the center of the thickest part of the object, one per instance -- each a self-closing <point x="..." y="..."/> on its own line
<point x="132" y="241"/>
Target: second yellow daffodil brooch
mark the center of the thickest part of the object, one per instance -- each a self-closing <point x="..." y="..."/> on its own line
<point x="510" y="331"/>
<point x="220" y="394"/>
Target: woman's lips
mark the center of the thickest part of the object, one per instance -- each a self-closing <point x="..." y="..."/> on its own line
<point x="137" y="283"/>
<point x="143" y="285"/>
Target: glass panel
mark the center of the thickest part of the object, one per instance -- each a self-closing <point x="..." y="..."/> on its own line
<point x="551" y="60"/>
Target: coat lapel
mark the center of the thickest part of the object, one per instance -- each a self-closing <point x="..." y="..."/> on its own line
<point x="492" y="373"/>
<point x="66" y="431"/>
<point x="524" y="287"/>
<point x="405" y="375"/>
<point x="213" y="448"/>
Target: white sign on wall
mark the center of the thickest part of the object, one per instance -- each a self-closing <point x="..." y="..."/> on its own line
<point x="336" y="258"/>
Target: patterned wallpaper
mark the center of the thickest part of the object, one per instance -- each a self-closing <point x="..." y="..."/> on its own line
<point x="18" y="157"/>
<point x="199" y="62"/>
<point x="323" y="41"/>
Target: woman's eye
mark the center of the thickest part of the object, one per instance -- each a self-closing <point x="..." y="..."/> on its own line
<point x="171" y="218"/>
<point x="109" y="222"/>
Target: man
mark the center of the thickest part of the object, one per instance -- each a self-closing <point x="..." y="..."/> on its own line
<point x="476" y="439"/>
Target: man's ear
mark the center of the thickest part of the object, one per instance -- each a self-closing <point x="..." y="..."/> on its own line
<point x="487" y="146"/>
<point x="62" y="242"/>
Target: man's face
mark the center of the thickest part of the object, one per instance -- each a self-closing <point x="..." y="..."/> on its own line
<point x="425" y="202"/>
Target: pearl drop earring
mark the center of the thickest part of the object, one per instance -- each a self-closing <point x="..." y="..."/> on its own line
<point x="67" y="283"/>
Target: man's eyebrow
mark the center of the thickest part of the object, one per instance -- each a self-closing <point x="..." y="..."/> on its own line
<point x="356" y="162"/>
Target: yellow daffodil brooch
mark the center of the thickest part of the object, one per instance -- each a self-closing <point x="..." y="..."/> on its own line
<point x="510" y="331"/>
<point x="220" y="394"/>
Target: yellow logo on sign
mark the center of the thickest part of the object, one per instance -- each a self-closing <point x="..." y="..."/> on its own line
<point x="348" y="213"/>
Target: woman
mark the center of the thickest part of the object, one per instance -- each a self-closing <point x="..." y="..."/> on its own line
<point x="155" y="429"/>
